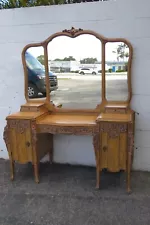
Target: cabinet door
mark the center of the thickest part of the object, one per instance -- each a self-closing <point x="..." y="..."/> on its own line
<point x="20" y="140"/>
<point x="113" y="152"/>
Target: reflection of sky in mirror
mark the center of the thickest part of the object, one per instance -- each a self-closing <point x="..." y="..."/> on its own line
<point x="111" y="52"/>
<point x="83" y="46"/>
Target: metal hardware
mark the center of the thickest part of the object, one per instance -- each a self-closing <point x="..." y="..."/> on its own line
<point x="28" y="144"/>
<point x="105" y="148"/>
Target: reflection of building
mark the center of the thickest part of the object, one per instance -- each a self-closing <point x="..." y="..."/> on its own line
<point x="96" y="66"/>
<point x="71" y="66"/>
<point x="117" y="65"/>
<point x="64" y="66"/>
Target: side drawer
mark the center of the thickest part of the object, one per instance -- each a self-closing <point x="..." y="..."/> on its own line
<point x="115" y="110"/>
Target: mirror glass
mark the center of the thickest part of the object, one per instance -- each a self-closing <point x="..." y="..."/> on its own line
<point x="34" y="58"/>
<point x="116" y="75"/>
<point x="75" y="71"/>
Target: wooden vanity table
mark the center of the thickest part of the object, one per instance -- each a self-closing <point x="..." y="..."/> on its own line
<point x="29" y="133"/>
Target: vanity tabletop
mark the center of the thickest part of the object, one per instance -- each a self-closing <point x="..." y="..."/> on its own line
<point x="114" y="117"/>
<point x="68" y="120"/>
<point x="24" y="115"/>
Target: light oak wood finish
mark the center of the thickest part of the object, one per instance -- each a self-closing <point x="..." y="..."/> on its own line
<point x="29" y="133"/>
<point x="68" y="119"/>
<point x="116" y="141"/>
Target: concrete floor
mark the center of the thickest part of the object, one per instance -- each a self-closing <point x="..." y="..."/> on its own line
<point x="66" y="195"/>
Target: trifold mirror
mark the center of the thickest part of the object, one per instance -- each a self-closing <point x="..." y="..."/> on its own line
<point x="35" y="66"/>
<point x="117" y="59"/>
<point x="78" y="68"/>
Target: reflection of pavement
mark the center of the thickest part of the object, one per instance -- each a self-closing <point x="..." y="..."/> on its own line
<point x="74" y="93"/>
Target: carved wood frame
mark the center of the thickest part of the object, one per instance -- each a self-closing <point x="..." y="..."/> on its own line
<point x="74" y="130"/>
<point x="72" y="33"/>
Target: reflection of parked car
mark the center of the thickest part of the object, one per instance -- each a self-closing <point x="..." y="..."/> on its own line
<point x="88" y="71"/>
<point x="36" y="77"/>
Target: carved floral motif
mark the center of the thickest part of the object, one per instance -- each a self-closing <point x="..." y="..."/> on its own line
<point x="19" y="125"/>
<point x="29" y="109"/>
<point x="33" y="133"/>
<point x="72" y="31"/>
<point x="82" y="130"/>
<point x="113" y="129"/>
<point x="96" y="139"/>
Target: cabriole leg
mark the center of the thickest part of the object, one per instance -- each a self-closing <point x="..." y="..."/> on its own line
<point x="129" y="173"/>
<point x="129" y="155"/>
<point x="51" y="155"/>
<point x="12" y="167"/>
<point x="97" y="158"/>
<point x="36" y="172"/>
<point x="51" y="150"/>
<point x="6" y="138"/>
<point x="34" y="145"/>
<point x="98" y="172"/>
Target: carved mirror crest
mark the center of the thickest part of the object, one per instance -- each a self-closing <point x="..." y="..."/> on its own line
<point x="78" y="68"/>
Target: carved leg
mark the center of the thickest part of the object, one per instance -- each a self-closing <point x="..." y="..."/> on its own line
<point x="51" y="149"/>
<point x="12" y="167"/>
<point x="129" y="155"/>
<point x="51" y="155"/>
<point x="98" y="172"/>
<point x="36" y="172"/>
<point x="34" y="146"/>
<point x="7" y="142"/>
<point x="129" y="172"/>
<point x="97" y="158"/>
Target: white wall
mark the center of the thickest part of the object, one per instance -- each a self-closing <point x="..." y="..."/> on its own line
<point x="121" y="18"/>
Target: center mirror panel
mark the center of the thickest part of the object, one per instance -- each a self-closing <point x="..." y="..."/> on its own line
<point x="34" y="58"/>
<point x="116" y="77"/>
<point x="75" y="65"/>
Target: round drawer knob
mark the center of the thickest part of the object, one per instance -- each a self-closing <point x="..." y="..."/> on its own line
<point x="105" y="148"/>
<point x="28" y="144"/>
